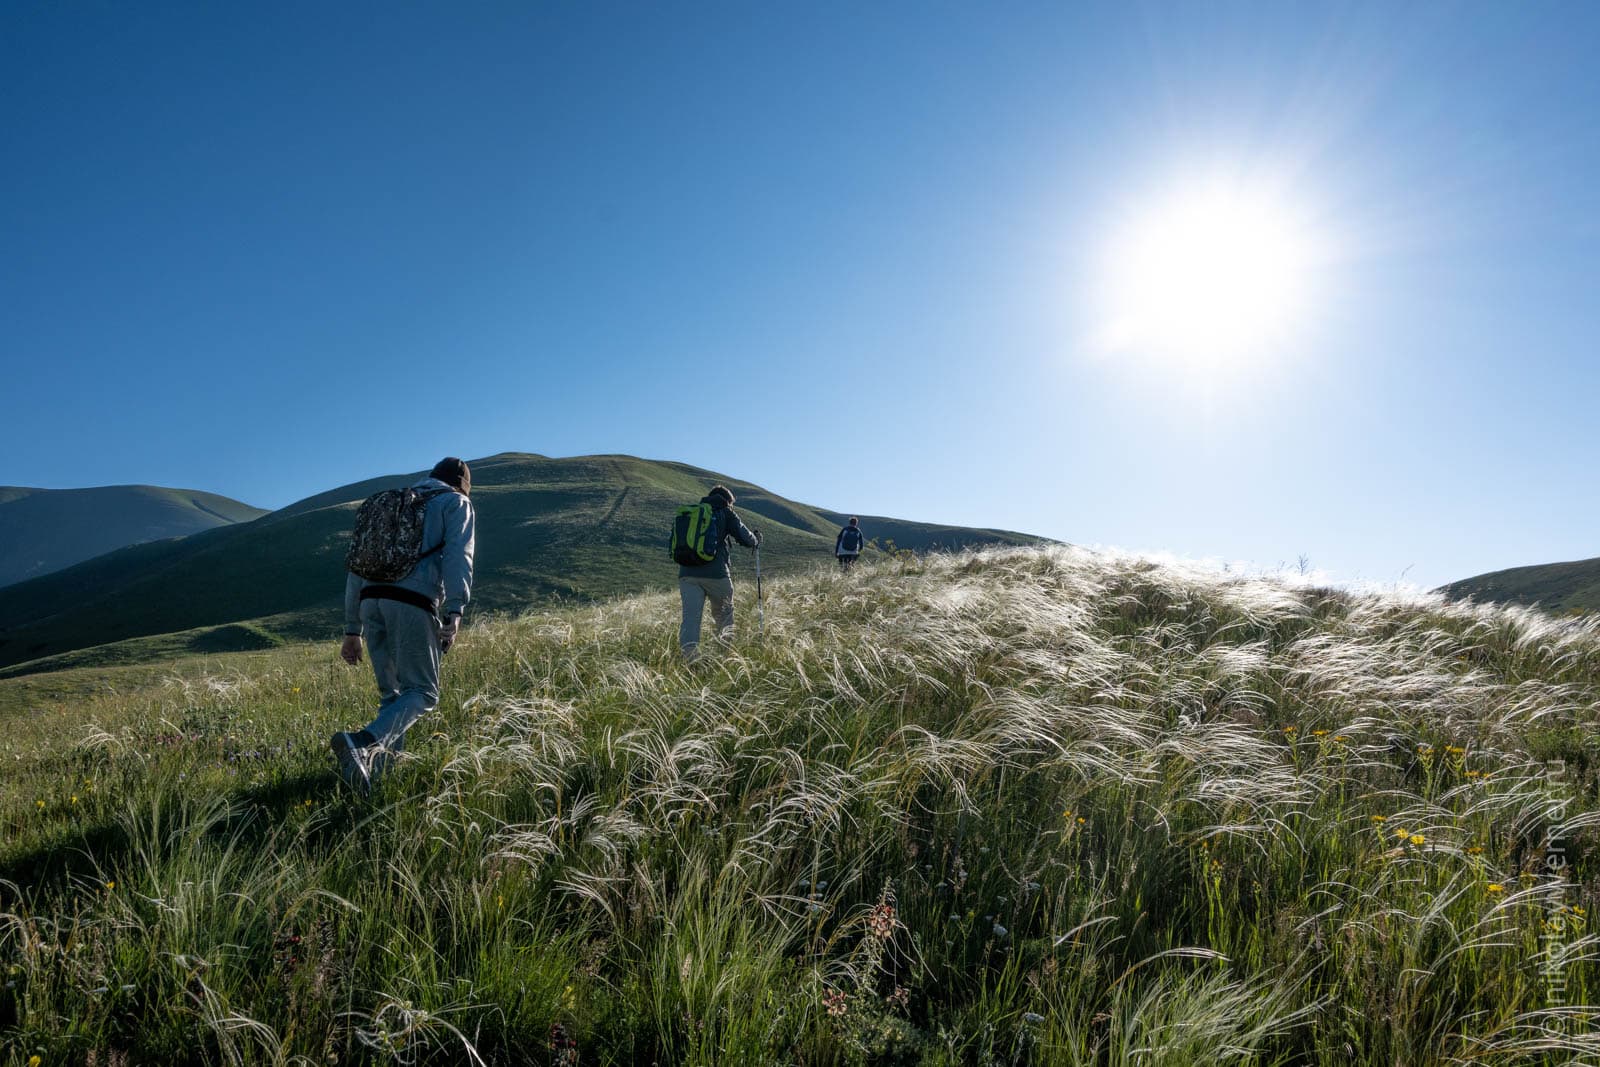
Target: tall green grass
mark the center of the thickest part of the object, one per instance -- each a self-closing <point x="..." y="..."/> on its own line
<point x="1032" y="806"/>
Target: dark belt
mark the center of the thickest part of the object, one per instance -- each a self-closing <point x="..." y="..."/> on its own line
<point x="404" y="596"/>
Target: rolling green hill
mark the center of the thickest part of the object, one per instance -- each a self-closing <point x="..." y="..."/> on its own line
<point x="1557" y="587"/>
<point x="44" y="530"/>
<point x="548" y="529"/>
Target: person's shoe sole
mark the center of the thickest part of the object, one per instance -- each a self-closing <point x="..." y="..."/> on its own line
<point x="352" y="768"/>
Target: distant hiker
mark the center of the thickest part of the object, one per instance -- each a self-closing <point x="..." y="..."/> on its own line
<point x="849" y="544"/>
<point x="410" y="576"/>
<point x="700" y="547"/>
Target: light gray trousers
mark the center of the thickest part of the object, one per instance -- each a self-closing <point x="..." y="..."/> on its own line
<point x="695" y="592"/>
<point x="403" y="641"/>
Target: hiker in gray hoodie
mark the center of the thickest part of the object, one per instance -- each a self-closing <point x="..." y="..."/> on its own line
<point x="712" y="581"/>
<point x="409" y="624"/>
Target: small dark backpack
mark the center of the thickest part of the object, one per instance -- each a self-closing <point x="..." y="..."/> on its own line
<point x="696" y="532"/>
<point x="387" y="542"/>
<point x="850" y="541"/>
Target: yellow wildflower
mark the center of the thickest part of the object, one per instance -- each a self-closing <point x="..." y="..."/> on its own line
<point x="1475" y="850"/>
<point x="1402" y="833"/>
<point x="1380" y="818"/>
<point x="1417" y="839"/>
<point x="1289" y="729"/>
<point x="33" y="1061"/>
<point x="1495" y="887"/>
<point x="110" y="886"/>
<point x="1319" y="733"/>
<point x="1341" y="738"/>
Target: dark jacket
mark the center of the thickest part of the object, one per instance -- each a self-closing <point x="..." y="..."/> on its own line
<point x="850" y="542"/>
<point x="730" y="525"/>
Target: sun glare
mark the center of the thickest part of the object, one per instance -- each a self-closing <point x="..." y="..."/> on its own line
<point x="1214" y="276"/>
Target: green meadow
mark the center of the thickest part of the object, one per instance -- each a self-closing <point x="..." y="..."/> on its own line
<point x="1027" y="805"/>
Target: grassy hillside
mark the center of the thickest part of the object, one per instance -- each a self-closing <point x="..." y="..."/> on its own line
<point x="44" y="530"/>
<point x="572" y="529"/>
<point x="1557" y="587"/>
<point x="1027" y="806"/>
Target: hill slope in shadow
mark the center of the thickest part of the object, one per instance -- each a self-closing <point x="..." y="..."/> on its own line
<point x="1557" y="587"/>
<point x="45" y="530"/>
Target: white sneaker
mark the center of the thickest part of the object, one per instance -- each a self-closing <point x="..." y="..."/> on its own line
<point x="352" y="757"/>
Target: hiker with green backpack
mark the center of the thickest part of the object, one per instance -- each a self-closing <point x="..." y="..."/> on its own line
<point x="409" y="579"/>
<point x="699" y="545"/>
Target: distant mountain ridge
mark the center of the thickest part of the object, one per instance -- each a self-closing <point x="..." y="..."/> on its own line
<point x="45" y="530"/>
<point x="581" y="528"/>
<point x="1556" y="587"/>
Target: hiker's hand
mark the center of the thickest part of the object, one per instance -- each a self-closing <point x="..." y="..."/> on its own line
<point x="448" y="631"/>
<point x="350" y="651"/>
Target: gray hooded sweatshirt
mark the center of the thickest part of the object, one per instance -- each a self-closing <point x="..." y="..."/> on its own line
<point x="445" y="577"/>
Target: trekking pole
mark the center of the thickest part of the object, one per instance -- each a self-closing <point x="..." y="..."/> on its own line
<point x="761" y="614"/>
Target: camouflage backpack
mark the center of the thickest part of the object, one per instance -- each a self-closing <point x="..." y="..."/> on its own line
<point x="387" y="542"/>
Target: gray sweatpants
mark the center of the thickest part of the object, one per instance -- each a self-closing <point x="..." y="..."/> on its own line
<point x="403" y="641"/>
<point x="695" y="592"/>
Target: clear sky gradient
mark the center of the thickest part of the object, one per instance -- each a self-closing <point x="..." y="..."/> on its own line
<point x="850" y="252"/>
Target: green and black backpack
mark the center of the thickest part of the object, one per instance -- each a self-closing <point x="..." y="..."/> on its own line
<point x="696" y="532"/>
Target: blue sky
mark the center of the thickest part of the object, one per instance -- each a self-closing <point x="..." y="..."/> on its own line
<point x="855" y="253"/>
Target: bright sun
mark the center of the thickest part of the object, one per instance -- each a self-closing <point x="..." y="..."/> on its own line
<point x="1214" y="276"/>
